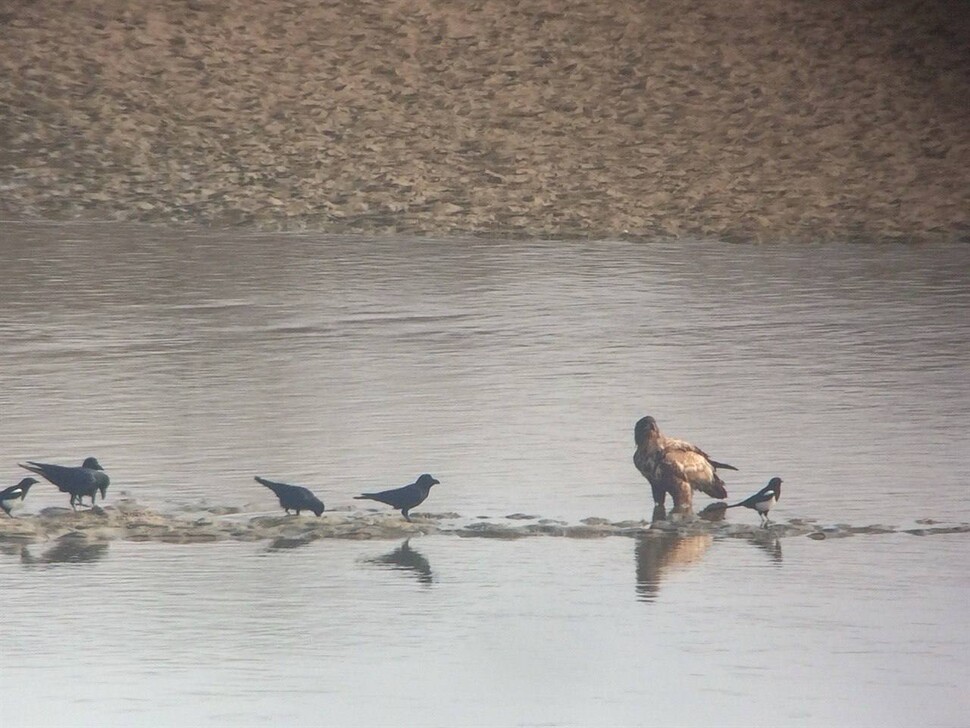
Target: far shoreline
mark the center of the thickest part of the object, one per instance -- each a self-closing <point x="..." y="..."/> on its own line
<point x="458" y="234"/>
<point x="527" y="119"/>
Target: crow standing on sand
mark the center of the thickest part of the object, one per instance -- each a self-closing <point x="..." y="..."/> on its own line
<point x="763" y="500"/>
<point x="294" y="497"/>
<point x="675" y="466"/>
<point x="406" y="498"/>
<point x="14" y="496"/>
<point x="86" y="480"/>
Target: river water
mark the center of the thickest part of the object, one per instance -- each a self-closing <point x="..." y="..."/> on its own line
<point x="189" y="361"/>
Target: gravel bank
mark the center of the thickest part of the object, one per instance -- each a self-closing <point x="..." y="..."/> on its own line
<point x="761" y="119"/>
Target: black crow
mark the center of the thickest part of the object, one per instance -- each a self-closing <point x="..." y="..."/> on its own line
<point x="406" y="498"/>
<point x="86" y="480"/>
<point x="294" y="497"/>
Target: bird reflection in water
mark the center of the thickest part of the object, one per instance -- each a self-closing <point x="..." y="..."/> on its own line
<point x="11" y="549"/>
<point x="765" y="540"/>
<point x="67" y="550"/>
<point x="657" y="553"/>
<point x="284" y="543"/>
<point x="771" y="546"/>
<point x="404" y="558"/>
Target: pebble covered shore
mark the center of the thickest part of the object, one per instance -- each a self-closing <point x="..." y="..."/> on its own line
<point x="749" y="120"/>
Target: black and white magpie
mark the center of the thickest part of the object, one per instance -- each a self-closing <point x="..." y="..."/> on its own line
<point x="86" y="480"/>
<point x="764" y="500"/>
<point x="294" y="497"/>
<point x="13" y="497"/>
<point x="405" y="498"/>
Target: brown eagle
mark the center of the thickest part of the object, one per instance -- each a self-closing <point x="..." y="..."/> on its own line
<point x="675" y="466"/>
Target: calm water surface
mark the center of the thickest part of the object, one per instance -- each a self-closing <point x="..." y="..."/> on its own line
<point x="188" y="362"/>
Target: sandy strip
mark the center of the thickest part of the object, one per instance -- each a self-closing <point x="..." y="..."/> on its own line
<point x="129" y="521"/>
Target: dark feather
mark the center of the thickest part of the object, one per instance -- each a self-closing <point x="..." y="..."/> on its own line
<point x="294" y="497"/>
<point x="79" y="482"/>
<point x="405" y="498"/>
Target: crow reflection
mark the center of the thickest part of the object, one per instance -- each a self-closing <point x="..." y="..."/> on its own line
<point x="284" y="543"/>
<point x="658" y="552"/>
<point x="405" y="558"/>
<point x="67" y="550"/>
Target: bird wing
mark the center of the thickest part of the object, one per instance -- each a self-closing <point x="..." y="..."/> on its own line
<point x="65" y="478"/>
<point x="670" y="442"/>
<point x="14" y="491"/>
<point x="687" y="462"/>
<point x="397" y="497"/>
<point x="645" y="464"/>
<point x="682" y="461"/>
<point x="766" y="493"/>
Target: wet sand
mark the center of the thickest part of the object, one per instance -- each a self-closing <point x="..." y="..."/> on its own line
<point x="742" y="121"/>
<point x="130" y="521"/>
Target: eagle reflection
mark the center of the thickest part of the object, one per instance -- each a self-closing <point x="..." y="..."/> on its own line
<point x="404" y="558"/>
<point x="659" y="552"/>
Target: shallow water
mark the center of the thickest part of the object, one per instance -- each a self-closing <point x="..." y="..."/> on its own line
<point x="188" y="362"/>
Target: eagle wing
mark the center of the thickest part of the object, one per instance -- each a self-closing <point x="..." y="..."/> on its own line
<point x="685" y="464"/>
